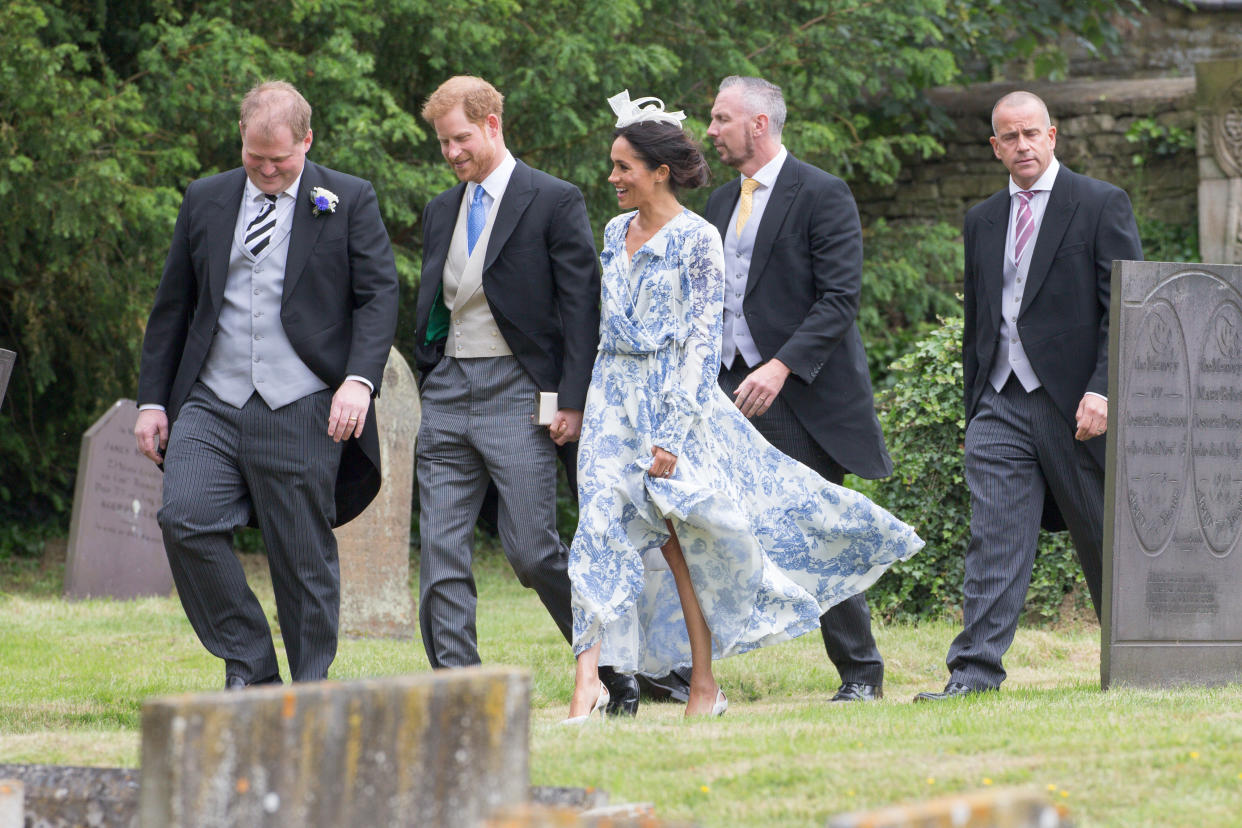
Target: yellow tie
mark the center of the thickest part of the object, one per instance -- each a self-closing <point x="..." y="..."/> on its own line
<point x="749" y="185"/>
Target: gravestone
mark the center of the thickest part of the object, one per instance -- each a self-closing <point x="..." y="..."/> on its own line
<point x="59" y="796"/>
<point x="1173" y="485"/>
<point x="12" y="804"/>
<point x="6" y="370"/>
<point x="374" y="548"/>
<point x="115" y="546"/>
<point x="440" y="749"/>
<point x="1016" y="808"/>
<point x="1218" y="101"/>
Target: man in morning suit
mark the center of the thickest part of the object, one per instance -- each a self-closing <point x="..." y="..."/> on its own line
<point x="271" y="326"/>
<point x="1039" y="256"/>
<point x="792" y="356"/>
<point x="508" y="307"/>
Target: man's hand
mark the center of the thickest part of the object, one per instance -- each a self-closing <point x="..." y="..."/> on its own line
<point x="151" y="432"/>
<point x="566" y="426"/>
<point x="350" y="404"/>
<point x="1092" y="417"/>
<point x="662" y="463"/>
<point x="758" y="391"/>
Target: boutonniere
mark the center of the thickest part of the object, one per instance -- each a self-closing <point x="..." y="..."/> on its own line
<point x="323" y="201"/>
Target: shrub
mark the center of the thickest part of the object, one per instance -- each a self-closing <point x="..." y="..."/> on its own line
<point x="910" y="274"/>
<point x="923" y="421"/>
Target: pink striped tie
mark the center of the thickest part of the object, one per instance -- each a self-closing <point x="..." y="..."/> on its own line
<point x="1024" y="228"/>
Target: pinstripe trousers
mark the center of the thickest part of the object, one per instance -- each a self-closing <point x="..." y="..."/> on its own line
<point x="845" y="627"/>
<point x="1018" y="446"/>
<point x="222" y="465"/>
<point x="477" y="427"/>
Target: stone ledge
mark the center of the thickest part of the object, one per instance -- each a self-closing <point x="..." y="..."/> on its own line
<point x="1068" y="98"/>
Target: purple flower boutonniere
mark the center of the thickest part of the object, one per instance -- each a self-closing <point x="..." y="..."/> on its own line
<point x="323" y="201"/>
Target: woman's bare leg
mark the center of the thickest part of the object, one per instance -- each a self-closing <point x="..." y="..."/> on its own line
<point x="586" y="683"/>
<point x="703" y="686"/>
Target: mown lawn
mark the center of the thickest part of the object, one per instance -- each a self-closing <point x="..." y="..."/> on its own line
<point x="73" y="676"/>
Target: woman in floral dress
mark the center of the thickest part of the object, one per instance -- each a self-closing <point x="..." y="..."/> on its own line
<point x="696" y="538"/>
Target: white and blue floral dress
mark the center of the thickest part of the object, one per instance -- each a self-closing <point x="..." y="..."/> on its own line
<point x="769" y="543"/>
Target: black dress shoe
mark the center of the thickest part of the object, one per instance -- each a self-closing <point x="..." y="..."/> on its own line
<point x="234" y="683"/>
<point x="851" y="691"/>
<point x="952" y="690"/>
<point x="622" y="692"/>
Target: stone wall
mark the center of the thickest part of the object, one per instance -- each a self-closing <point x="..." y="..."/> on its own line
<point x="1167" y="41"/>
<point x="1151" y="77"/>
<point x="1091" y="117"/>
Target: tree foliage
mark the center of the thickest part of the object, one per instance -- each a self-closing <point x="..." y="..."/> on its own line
<point x="109" y="109"/>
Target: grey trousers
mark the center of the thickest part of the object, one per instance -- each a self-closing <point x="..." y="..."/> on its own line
<point x="846" y="627"/>
<point x="222" y="465"/>
<point x="1018" y="446"/>
<point x="477" y="427"/>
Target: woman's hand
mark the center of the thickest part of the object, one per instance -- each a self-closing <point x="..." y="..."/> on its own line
<point x="662" y="463"/>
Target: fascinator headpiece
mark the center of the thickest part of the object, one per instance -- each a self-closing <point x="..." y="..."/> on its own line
<point x="641" y="110"/>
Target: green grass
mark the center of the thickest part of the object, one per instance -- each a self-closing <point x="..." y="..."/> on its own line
<point x="73" y="675"/>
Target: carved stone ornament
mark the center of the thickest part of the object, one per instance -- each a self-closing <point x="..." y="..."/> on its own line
<point x="1227" y="130"/>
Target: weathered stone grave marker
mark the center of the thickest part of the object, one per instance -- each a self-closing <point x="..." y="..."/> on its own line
<point x="1218" y="101"/>
<point x="374" y="548"/>
<point x="115" y="546"/>
<point x="432" y="749"/>
<point x="1173" y="491"/>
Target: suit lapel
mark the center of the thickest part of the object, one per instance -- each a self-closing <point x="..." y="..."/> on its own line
<point x="519" y="193"/>
<point x="1057" y="217"/>
<point x="306" y="228"/>
<point x="784" y="191"/>
<point x="435" y="248"/>
<point x="721" y="207"/>
<point x="992" y="238"/>
<point x="221" y="224"/>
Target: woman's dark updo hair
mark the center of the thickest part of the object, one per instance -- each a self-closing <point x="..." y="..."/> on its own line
<point x="657" y="143"/>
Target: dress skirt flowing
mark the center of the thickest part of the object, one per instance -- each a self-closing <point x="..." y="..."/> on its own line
<point x="770" y="544"/>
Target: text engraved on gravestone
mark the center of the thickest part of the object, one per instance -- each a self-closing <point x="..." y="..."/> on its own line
<point x="1156" y="415"/>
<point x="1217" y="429"/>
<point x="1173" y="593"/>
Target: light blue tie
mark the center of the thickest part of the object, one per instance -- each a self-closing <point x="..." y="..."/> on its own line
<point x="475" y="219"/>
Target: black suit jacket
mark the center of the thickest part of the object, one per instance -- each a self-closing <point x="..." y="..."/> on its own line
<point x="540" y="277"/>
<point x="800" y="305"/>
<point x="1063" y="321"/>
<point x="339" y="306"/>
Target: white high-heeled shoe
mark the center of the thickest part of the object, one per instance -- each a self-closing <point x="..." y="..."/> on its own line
<point x="601" y="702"/>
<point x="721" y="705"/>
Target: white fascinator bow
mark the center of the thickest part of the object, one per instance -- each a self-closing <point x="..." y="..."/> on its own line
<point x="644" y="109"/>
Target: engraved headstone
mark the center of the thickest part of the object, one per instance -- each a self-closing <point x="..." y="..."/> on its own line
<point x="1173" y="491"/>
<point x="115" y="546"/>
<point x="374" y="548"/>
<point x="6" y="369"/>
<point x="1218" y="93"/>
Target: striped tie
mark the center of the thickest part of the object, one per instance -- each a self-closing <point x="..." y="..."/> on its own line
<point x="1024" y="227"/>
<point x="259" y="231"/>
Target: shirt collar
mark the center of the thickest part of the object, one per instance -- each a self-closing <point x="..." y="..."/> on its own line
<point x="766" y="175"/>
<point x="1043" y="183"/>
<point x="499" y="178"/>
<point x="253" y="192"/>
